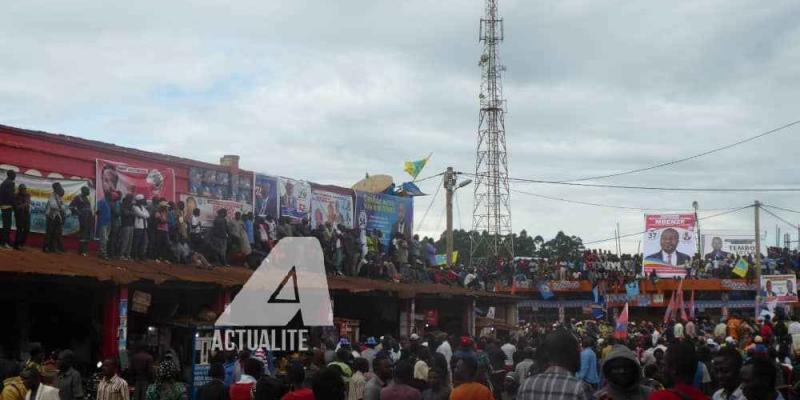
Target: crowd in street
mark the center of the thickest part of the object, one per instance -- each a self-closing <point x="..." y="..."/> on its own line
<point x="733" y="358"/>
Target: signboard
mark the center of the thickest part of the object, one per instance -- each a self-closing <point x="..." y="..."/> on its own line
<point x="327" y="206"/>
<point x="432" y="317"/>
<point x="135" y="179"/>
<point x="266" y="196"/>
<point x="201" y="359"/>
<point x="40" y="189"/>
<point x="719" y="247"/>
<point x="209" y="207"/>
<point x="385" y="213"/>
<point x="220" y="185"/>
<point x="295" y="199"/>
<point x="140" y="301"/>
<point x="780" y="288"/>
<point x="669" y="243"/>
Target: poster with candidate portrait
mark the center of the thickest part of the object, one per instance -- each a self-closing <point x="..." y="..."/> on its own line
<point x="385" y="213"/>
<point x="148" y="181"/>
<point x="295" y="197"/>
<point x="720" y="246"/>
<point x="40" y="189"/>
<point x="780" y="288"/>
<point x="209" y="207"/>
<point x="266" y="196"/>
<point x="329" y="206"/>
<point x="668" y="244"/>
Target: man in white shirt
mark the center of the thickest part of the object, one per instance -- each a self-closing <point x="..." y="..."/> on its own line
<point x="36" y="389"/>
<point x="508" y="349"/>
<point x="445" y="349"/>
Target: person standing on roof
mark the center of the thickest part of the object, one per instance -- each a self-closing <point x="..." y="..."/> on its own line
<point x="7" y="207"/>
<point x="22" y="216"/>
<point x="82" y="207"/>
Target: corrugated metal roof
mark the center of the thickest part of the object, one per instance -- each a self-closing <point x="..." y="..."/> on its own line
<point x="35" y="262"/>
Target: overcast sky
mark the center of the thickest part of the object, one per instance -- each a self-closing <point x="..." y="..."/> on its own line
<point x="328" y="90"/>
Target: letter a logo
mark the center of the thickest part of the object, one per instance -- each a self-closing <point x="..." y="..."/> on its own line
<point x="290" y="280"/>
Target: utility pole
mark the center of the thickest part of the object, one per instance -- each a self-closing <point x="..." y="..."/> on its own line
<point x="696" y="205"/>
<point x="449" y="186"/>
<point x="757" y="206"/>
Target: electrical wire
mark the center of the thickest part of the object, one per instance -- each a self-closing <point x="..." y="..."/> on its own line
<point x="586" y="203"/>
<point x="433" y="200"/>
<point x="666" y="189"/>
<point x="780" y="208"/>
<point x="639" y="233"/>
<point x="673" y="162"/>
<point x="779" y="218"/>
<point x="458" y="210"/>
<point x="415" y="181"/>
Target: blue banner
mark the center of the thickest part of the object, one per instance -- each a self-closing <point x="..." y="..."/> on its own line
<point x="385" y="213"/>
<point x="545" y="291"/>
<point x="632" y="289"/>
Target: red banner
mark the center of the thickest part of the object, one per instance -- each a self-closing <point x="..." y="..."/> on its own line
<point x="432" y="317"/>
<point x="134" y="179"/>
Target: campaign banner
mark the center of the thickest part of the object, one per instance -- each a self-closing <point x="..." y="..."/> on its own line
<point x="778" y="288"/>
<point x="266" y="194"/>
<point x="214" y="184"/>
<point x="295" y="199"/>
<point x="719" y="247"/>
<point x="135" y="179"/>
<point x="209" y="207"/>
<point x="669" y="243"/>
<point x="385" y="213"/>
<point x="327" y="206"/>
<point x="40" y="189"/>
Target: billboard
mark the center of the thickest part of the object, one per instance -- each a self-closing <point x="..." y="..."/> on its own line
<point x="385" y="213"/>
<point x="295" y="199"/>
<point x="780" y="288"/>
<point x="40" y="189"/>
<point x="328" y="206"/>
<point x="266" y="194"/>
<point x="209" y="207"/>
<point x="669" y="243"/>
<point x="214" y="184"/>
<point x="135" y="179"/>
<point x="718" y="247"/>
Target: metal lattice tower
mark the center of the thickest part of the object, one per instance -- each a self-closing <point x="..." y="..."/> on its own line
<point x="491" y="212"/>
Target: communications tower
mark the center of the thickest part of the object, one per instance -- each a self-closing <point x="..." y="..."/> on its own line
<point x="491" y="212"/>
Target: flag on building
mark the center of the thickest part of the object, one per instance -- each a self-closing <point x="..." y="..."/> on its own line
<point x="670" y="309"/>
<point x="621" y="328"/>
<point x="413" y="168"/>
<point x="691" y="307"/>
<point x="680" y="304"/>
<point x="741" y="267"/>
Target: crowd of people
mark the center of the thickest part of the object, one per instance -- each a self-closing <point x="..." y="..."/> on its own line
<point x="733" y="358"/>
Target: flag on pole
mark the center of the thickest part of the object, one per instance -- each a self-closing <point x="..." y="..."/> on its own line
<point x="691" y="307"/>
<point x="413" y="168"/>
<point x="670" y="309"/>
<point x="621" y="328"/>
<point x="741" y="267"/>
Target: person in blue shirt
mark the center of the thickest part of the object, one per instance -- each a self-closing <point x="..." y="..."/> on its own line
<point x="588" y="372"/>
<point x="103" y="224"/>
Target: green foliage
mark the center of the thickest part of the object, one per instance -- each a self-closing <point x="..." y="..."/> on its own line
<point x="562" y="246"/>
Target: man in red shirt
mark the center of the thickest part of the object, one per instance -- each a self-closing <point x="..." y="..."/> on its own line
<point x="680" y="368"/>
<point x="241" y="390"/>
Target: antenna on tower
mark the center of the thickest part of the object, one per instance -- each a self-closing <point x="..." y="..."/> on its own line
<point x="491" y="213"/>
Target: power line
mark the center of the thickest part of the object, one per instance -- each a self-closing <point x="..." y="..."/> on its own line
<point x="639" y="233"/>
<point x="426" y="178"/>
<point x="780" y="208"/>
<point x="779" y="218"/>
<point x="673" y="162"/>
<point x="433" y="200"/>
<point x="586" y="203"/>
<point x="658" y="188"/>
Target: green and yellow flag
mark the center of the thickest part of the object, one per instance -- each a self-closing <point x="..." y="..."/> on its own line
<point x="741" y="267"/>
<point x="413" y="168"/>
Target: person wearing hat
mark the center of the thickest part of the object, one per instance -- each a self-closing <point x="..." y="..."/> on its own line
<point x="369" y="353"/>
<point x="54" y="220"/>
<point x="622" y="372"/>
<point x="22" y="216"/>
<point x="82" y="207"/>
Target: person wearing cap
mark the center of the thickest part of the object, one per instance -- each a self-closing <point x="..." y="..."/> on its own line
<point x="369" y="353"/>
<point x="465" y="349"/>
<point x="22" y="216"/>
<point x="103" y="227"/>
<point x="82" y="207"/>
<point x="140" y="224"/>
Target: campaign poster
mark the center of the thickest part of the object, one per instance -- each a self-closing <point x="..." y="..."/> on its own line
<point x="40" y="189"/>
<point x="328" y="206"/>
<point x="209" y="207"/>
<point x="778" y="288"/>
<point x="210" y="183"/>
<point x="668" y="244"/>
<point x="135" y="179"/>
<point x="266" y="194"/>
<point x="385" y="213"/>
<point x="720" y="247"/>
<point x="295" y="199"/>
